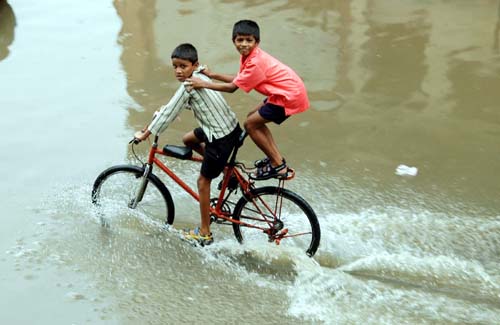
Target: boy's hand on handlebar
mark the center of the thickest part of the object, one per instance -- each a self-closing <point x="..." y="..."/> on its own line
<point x="141" y="135"/>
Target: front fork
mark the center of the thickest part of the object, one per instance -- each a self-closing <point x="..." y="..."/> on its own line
<point x="141" y="188"/>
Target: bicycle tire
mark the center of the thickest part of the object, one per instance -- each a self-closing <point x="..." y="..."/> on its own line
<point x="296" y="216"/>
<point x="115" y="187"/>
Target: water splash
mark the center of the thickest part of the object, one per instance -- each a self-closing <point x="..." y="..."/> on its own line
<point x="382" y="264"/>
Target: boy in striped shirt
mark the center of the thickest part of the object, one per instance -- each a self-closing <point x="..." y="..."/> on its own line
<point x="215" y="138"/>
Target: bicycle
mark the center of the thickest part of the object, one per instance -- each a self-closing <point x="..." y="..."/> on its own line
<point x="273" y="213"/>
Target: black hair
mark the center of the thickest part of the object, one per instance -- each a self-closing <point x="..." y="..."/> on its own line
<point x="246" y="27"/>
<point x="185" y="51"/>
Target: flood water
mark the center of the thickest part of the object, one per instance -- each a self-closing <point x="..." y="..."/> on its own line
<point x="390" y="83"/>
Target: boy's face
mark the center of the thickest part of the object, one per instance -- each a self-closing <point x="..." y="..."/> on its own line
<point x="245" y="44"/>
<point x="183" y="69"/>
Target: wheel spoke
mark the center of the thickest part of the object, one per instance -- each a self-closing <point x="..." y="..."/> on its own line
<point x="289" y="220"/>
<point x="114" y="192"/>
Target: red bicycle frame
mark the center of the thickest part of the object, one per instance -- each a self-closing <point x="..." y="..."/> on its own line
<point x="229" y="170"/>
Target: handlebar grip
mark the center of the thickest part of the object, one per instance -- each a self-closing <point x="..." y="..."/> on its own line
<point x="134" y="141"/>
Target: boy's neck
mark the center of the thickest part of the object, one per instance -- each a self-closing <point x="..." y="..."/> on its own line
<point x="249" y="54"/>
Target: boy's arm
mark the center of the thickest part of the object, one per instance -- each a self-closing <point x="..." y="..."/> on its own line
<point x="222" y="77"/>
<point x="217" y="76"/>
<point x="196" y="83"/>
<point x="165" y="116"/>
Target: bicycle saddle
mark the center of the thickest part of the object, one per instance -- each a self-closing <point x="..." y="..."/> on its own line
<point x="179" y="152"/>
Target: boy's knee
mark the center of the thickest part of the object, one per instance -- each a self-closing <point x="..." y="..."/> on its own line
<point x="191" y="141"/>
<point x="187" y="139"/>
<point x="251" y="122"/>
<point x="246" y="125"/>
<point x="251" y="125"/>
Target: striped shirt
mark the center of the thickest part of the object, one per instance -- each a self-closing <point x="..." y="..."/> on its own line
<point x="210" y="110"/>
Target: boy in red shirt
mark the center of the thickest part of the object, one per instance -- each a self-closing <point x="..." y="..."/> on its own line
<point x="284" y="90"/>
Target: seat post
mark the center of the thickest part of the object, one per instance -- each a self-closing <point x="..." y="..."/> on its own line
<point x="241" y="139"/>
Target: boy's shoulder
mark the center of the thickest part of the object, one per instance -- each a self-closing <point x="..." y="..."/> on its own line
<point x="259" y="57"/>
<point x="198" y="72"/>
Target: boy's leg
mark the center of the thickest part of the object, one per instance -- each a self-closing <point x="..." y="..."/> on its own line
<point x="192" y="141"/>
<point x="256" y="127"/>
<point x="213" y="164"/>
<point x="256" y="109"/>
<point x="204" y="192"/>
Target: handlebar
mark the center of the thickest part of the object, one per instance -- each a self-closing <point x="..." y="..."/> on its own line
<point x="134" y="141"/>
<point x="241" y="139"/>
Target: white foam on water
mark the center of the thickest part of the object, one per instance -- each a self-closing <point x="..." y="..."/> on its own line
<point x="393" y="266"/>
<point x="335" y="297"/>
<point x="440" y="273"/>
<point x="388" y="267"/>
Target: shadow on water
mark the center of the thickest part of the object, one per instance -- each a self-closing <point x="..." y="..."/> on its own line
<point x="7" y="27"/>
<point x="281" y="268"/>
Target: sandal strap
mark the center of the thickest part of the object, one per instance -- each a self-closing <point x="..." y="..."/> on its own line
<point x="269" y="171"/>
<point x="194" y="236"/>
<point x="196" y="233"/>
<point x="279" y="167"/>
<point x="262" y="162"/>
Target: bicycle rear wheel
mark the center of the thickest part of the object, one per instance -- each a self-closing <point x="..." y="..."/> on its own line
<point x="116" y="187"/>
<point x="277" y="210"/>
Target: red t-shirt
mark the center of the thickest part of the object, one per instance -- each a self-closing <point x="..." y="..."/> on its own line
<point x="270" y="77"/>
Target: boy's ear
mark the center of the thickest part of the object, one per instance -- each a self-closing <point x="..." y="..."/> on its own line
<point x="196" y="64"/>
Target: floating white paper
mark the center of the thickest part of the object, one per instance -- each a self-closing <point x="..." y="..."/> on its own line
<point x="404" y="170"/>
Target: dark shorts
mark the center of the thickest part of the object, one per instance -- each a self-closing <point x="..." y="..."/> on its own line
<point x="217" y="152"/>
<point x="273" y="113"/>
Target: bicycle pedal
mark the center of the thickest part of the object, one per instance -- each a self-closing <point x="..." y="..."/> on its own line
<point x="280" y="236"/>
<point x="290" y="173"/>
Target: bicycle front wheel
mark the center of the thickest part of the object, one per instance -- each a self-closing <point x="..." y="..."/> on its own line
<point x="282" y="213"/>
<point x="115" y="189"/>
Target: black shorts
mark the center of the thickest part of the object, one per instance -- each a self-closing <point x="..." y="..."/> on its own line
<point x="274" y="113"/>
<point x="217" y="152"/>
